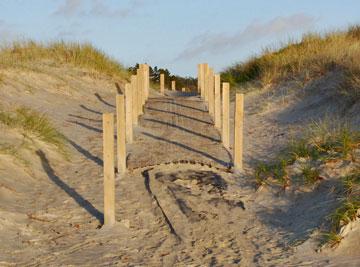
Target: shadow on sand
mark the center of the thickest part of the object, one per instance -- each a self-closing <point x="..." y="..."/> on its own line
<point x="184" y="129"/>
<point x="70" y="191"/>
<point x="223" y="163"/>
<point x="103" y="101"/>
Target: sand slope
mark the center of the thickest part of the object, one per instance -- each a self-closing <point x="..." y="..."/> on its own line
<point x="177" y="206"/>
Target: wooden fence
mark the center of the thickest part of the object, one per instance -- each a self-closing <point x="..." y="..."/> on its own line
<point x="130" y="105"/>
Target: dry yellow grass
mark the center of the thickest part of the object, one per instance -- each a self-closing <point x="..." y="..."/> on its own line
<point x="312" y="57"/>
<point x="21" y="54"/>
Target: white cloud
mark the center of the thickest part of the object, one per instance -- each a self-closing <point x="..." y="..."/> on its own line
<point x="220" y="42"/>
<point x="97" y="8"/>
<point x="69" y="8"/>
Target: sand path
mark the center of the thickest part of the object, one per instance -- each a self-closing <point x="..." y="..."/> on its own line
<point x="177" y="205"/>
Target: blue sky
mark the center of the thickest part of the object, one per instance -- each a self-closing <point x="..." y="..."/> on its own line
<point x="174" y="34"/>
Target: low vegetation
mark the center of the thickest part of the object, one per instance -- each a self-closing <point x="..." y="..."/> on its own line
<point x="23" y="54"/>
<point x="347" y="211"/>
<point x="313" y="56"/>
<point x="34" y="124"/>
<point x="325" y="141"/>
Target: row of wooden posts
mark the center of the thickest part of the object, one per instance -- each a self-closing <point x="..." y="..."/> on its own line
<point x="129" y="106"/>
<point x="173" y="85"/>
<point x="218" y="102"/>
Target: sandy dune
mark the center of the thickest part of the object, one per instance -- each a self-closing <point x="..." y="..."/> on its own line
<point x="178" y="205"/>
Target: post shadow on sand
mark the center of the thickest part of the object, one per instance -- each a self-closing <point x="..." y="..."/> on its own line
<point x="181" y="105"/>
<point x="103" y="101"/>
<point x="84" y="118"/>
<point x="178" y="114"/>
<point x="86" y="153"/>
<point x="223" y="163"/>
<point x="118" y="88"/>
<point x="184" y="129"/>
<point x="86" y="126"/>
<point x="90" y="110"/>
<point x="70" y="191"/>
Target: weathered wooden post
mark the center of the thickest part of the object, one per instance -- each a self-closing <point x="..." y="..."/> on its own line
<point x="238" y="135"/>
<point x="128" y="111"/>
<point x="211" y="95"/>
<point x="134" y="99"/>
<point x="145" y="77"/>
<point x="217" y="116"/>
<point x="206" y="84"/>
<point x="226" y="119"/>
<point x="147" y="81"/>
<point x="140" y="90"/>
<point x="203" y="72"/>
<point x="173" y="87"/>
<point x="162" y="83"/>
<point x="109" y="171"/>
<point x="198" y="77"/>
<point x="121" y="130"/>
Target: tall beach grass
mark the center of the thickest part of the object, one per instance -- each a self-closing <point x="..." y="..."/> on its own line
<point x="19" y="54"/>
<point x="313" y="56"/>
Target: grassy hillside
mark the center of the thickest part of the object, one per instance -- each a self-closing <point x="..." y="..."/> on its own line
<point x="26" y="54"/>
<point x="312" y="57"/>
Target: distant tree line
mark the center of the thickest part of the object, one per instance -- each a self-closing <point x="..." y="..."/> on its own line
<point x="154" y="72"/>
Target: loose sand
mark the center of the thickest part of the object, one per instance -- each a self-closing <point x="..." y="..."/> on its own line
<point x="178" y="205"/>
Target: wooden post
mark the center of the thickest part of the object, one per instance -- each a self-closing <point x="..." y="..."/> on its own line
<point x="145" y="77"/>
<point x="199" y="78"/>
<point x="143" y="86"/>
<point x="206" y="83"/>
<point x="202" y="88"/>
<point x="109" y="174"/>
<point x="147" y="81"/>
<point x="217" y="115"/>
<point x="226" y="119"/>
<point x="211" y="95"/>
<point x="238" y="135"/>
<point x="162" y="83"/>
<point x="121" y="129"/>
<point x="173" y="86"/>
<point x="134" y="99"/>
<point x="128" y="111"/>
<point x="140" y="91"/>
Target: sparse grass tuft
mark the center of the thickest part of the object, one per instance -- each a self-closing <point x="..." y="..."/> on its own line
<point x="310" y="175"/>
<point x="333" y="239"/>
<point x="18" y="54"/>
<point x="351" y="183"/>
<point x="325" y="140"/>
<point x="14" y="151"/>
<point x="34" y="123"/>
<point x="334" y="138"/>
<point x="277" y="171"/>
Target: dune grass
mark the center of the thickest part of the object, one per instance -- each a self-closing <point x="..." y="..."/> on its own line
<point x="313" y="56"/>
<point x="347" y="211"/>
<point x="34" y="124"/>
<point x="20" y="54"/>
<point x="325" y="140"/>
